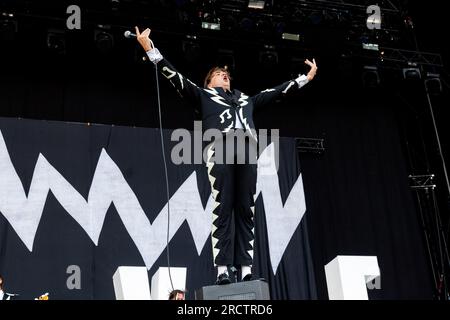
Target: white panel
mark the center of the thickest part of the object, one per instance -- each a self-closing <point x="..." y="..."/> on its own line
<point x="131" y="283"/>
<point x="347" y="277"/>
<point x="161" y="286"/>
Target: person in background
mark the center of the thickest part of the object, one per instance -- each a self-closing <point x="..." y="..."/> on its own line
<point x="3" y="294"/>
<point x="177" y="295"/>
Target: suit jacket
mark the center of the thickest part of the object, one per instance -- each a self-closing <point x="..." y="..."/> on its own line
<point x="218" y="108"/>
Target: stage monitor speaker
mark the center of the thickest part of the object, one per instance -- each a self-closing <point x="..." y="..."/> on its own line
<point x="247" y="290"/>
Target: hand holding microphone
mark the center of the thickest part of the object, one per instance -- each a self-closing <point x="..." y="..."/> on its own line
<point x="143" y="38"/>
<point x="147" y="44"/>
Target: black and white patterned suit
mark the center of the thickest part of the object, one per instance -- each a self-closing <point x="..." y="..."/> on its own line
<point x="233" y="186"/>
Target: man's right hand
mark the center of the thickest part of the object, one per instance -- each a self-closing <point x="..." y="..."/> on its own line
<point x="144" y="39"/>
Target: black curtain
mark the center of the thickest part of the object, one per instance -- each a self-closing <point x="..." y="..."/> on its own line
<point x="358" y="195"/>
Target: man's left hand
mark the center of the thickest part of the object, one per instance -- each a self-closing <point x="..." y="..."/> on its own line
<point x="312" y="73"/>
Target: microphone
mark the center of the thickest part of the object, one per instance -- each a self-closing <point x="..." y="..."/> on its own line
<point x="128" y="34"/>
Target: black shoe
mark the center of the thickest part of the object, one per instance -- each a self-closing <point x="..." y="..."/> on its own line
<point x="222" y="279"/>
<point x="248" y="277"/>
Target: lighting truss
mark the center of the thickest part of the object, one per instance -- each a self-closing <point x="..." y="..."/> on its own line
<point x="310" y="145"/>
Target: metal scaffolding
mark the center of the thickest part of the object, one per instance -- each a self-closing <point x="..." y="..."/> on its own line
<point x="434" y="233"/>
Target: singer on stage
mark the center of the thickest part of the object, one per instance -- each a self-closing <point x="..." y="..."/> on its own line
<point x="233" y="186"/>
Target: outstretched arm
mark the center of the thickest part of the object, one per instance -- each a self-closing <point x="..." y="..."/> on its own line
<point x="269" y="95"/>
<point x="185" y="87"/>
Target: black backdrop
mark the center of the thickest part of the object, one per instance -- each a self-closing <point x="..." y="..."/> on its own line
<point x="62" y="241"/>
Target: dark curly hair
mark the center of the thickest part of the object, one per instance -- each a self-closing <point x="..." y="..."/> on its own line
<point x="173" y="295"/>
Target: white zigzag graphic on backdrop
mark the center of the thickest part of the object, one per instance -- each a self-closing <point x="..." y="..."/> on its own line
<point x="281" y="220"/>
<point x="109" y="186"/>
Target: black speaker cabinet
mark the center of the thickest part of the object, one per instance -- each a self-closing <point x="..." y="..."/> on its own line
<point x="247" y="290"/>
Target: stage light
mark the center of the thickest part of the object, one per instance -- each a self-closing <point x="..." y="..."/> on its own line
<point x="268" y="57"/>
<point x="210" y="25"/>
<point x="296" y="14"/>
<point x="247" y="24"/>
<point x="8" y="26"/>
<point x="191" y="49"/>
<point x="104" y="40"/>
<point x="56" y="41"/>
<point x="210" y="21"/>
<point x="115" y="4"/>
<point x="433" y="83"/>
<point x="263" y="26"/>
<point x="371" y="46"/>
<point x="256" y="4"/>
<point x="368" y="43"/>
<point x="370" y="77"/>
<point x="229" y="23"/>
<point x="412" y="73"/>
<point x="290" y="36"/>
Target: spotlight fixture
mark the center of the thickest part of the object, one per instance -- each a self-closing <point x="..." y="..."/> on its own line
<point x="371" y="46"/>
<point x="256" y="4"/>
<point x="191" y="49"/>
<point x="115" y="4"/>
<point x="433" y="83"/>
<point x="371" y="77"/>
<point x="210" y="21"/>
<point x="104" y="40"/>
<point x="56" y="41"/>
<point x="210" y="25"/>
<point x="290" y="36"/>
<point x="247" y="24"/>
<point x="8" y="26"/>
<point x="412" y="72"/>
<point x="268" y="57"/>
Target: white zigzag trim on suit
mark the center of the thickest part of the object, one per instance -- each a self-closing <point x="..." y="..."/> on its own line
<point x="212" y="180"/>
<point x="216" y="97"/>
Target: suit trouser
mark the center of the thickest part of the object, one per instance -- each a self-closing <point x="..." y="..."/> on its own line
<point x="233" y="187"/>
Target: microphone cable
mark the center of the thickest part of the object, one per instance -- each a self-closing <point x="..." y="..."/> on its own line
<point x="166" y="173"/>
